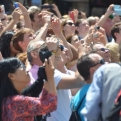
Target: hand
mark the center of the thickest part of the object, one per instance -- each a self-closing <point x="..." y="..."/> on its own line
<point x="76" y="13"/>
<point x="2" y="12"/>
<point x="49" y="69"/>
<point x="1" y="57"/>
<point x="110" y="9"/>
<point x="23" y="9"/>
<point x="55" y="7"/>
<point x="47" y="19"/>
<point x="1" y="27"/>
<point x="56" y="26"/>
<point x="52" y="43"/>
<point x="16" y="14"/>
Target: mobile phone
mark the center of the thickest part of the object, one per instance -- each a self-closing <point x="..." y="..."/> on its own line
<point x="16" y="5"/>
<point x="71" y="14"/>
<point x="117" y="9"/>
<point x="44" y="53"/>
<point x="46" y="6"/>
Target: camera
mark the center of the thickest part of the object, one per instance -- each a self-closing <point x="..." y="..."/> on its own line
<point x="44" y="53"/>
<point x="47" y="6"/>
<point x="117" y="9"/>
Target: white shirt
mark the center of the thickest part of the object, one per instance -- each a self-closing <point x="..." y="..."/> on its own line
<point x="63" y="111"/>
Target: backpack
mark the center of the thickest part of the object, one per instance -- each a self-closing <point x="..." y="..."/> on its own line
<point x="115" y="113"/>
<point x="77" y="103"/>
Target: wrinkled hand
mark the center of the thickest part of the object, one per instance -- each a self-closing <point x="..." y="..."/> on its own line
<point x="52" y="43"/>
<point x="16" y="14"/>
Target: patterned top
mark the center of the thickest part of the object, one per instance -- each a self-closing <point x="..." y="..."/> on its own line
<point x="24" y="108"/>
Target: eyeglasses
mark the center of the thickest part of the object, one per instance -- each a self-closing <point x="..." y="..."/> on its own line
<point x="70" y="23"/>
<point x="102" y="61"/>
<point x="104" y="49"/>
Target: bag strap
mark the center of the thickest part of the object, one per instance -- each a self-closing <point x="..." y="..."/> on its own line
<point x="83" y="91"/>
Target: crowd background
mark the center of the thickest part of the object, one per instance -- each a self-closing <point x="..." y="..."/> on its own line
<point x="54" y="62"/>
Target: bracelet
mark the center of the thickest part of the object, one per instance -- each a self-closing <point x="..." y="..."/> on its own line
<point x="53" y="53"/>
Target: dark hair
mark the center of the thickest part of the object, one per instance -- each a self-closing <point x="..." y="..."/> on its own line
<point x="5" y="43"/>
<point x="115" y="29"/>
<point x="84" y="63"/>
<point x="7" y="89"/>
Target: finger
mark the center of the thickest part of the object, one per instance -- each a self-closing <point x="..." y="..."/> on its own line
<point x="50" y="62"/>
<point x="46" y="63"/>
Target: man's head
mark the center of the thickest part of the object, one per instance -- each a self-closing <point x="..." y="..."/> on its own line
<point x="82" y="27"/>
<point x="102" y="51"/>
<point x="36" y="20"/>
<point x="88" y="64"/>
<point x="116" y="32"/>
<point x="33" y="52"/>
<point x="21" y="39"/>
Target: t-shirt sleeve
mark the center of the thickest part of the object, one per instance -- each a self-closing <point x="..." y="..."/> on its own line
<point x="57" y="77"/>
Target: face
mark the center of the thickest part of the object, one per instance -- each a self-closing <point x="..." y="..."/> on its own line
<point x="98" y="61"/>
<point x="35" y="54"/>
<point x="69" y="27"/>
<point x="4" y="20"/>
<point x="75" y="41"/>
<point x="83" y="27"/>
<point x="64" y="55"/>
<point x="27" y="38"/>
<point x="38" y="21"/>
<point x="20" y="78"/>
<point x="118" y="35"/>
<point x="103" y="52"/>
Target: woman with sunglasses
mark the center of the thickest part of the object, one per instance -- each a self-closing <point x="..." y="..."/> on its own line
<point x="14" y="106"/>
<point x="68" y="27"/>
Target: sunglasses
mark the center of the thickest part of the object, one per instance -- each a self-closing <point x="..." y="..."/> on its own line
<point x="61" y="47"/>
<point x="104" y="49"/>
<point x="102" y="61"/>
<point x="70" y="23"/>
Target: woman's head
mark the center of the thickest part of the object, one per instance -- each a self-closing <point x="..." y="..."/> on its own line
<point x="13" y="79"/>
<point x="68" y="27"/>
<point x="114" y="51"/>
<point x="74" y="40"/>
<point x="21" y="39"/>
<point x="5" y="40"/>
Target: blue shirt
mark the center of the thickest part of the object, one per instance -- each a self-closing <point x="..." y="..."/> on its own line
<point x="102" y="92"/>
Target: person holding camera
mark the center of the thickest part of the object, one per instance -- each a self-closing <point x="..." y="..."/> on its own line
<point x="14" y="78"/>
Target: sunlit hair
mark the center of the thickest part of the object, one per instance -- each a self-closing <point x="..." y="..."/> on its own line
<point x="19" y="36"/>
<point x="114" y="51"/>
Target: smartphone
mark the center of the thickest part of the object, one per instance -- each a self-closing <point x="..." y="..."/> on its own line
<point x="71" y="14"/>
<point x="46" y="6"/>
<point x="117" y="9"/>
<point x="16" y="5"/>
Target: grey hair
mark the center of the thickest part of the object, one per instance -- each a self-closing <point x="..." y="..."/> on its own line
<point x="31" y="46"/>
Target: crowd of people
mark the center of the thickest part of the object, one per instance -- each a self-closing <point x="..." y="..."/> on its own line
<point x="52" y="65"/>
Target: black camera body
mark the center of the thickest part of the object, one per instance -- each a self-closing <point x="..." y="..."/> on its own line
<point x="44" y="53"/>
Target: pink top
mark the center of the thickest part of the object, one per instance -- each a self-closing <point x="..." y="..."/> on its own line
<point x="24" y="108"/>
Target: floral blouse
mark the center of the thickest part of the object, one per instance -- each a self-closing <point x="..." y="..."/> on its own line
<point x="24" y="108"/>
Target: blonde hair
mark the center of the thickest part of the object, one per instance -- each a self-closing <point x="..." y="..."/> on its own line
<point x="114" y="51"/>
